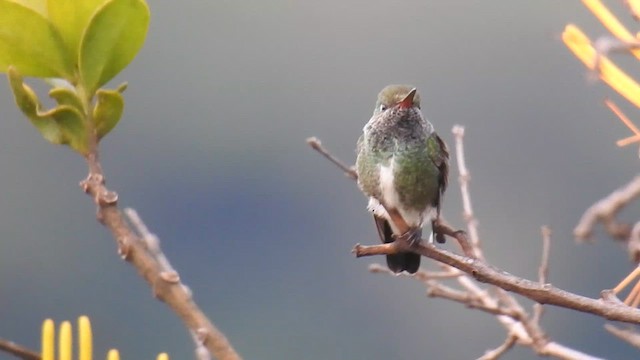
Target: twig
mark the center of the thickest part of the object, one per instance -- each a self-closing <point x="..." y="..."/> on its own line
<point x="201" y="351"/>
<point x="168" y="273"/>
<point x="543" y="271"/>
<point x="18" y="351"/>
<point x="633" y="246"/>
<point x="605" y="211"/>
<point x="467" y="208"/>
<point x="526" y="329"/>
<point x="629" y="335"/>
<point x="442" y="228"/>
<point x="470" y="300"/>
<point x="317" y="146"/>
<point x="500" y="350"/>
<point x="625" y="120"/>
<point x="421" y="275"/>
<point x="166" y="286"/>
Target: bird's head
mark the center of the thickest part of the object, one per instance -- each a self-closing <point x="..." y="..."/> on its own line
<point x="397" y="97"/>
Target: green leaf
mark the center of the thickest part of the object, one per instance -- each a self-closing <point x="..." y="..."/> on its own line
<point x="71" y="124"/>
<point x="114" y="36"/>
<point x="122" y="87"/>
<point x="61" y="125"/>
<point x="71" y="18"/>
<point x="108" y="111"/>
<point x="31" y="43"/>
<point x="65" y="96"/>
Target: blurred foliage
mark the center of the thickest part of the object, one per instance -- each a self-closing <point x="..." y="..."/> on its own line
<point x="594" y="56"/>
<point x="82" y="45"/>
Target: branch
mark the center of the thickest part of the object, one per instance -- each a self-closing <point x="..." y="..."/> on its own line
<point x="507" y="310"/>
<point x="166" y="284"/>
<point x="629" y="335"/>
<point x="467" y="208"/>
<point x="605" y="211"/>
<point x="18" y="351"/>
<point x="500" y="350"/>
<point x="541" y="293"/>
<point x="317" y="146"/>
<point x="484" y="272"/>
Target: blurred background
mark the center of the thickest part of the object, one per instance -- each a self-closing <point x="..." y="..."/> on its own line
<point x="211" y="151"/>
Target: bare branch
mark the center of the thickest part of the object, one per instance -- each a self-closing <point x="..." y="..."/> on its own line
<point x="633" y="246"/>
<point x="513" y="319"/>
<point x="317" y="146"/>
<point x="543" y="270"/>
<point x="467" y="208"/>
<point x="421" y="275"/>
<point x="629" y="335"/>
<point x="166" y="285"/>
<point x="541" y="293"/>
<point x="168" y="273"/>
<point x="605" y="211"/>
<point x="18" y="351"/>
<point x="500" y="350"/>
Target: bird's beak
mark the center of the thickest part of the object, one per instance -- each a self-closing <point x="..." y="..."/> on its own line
<point x="407" y="102"/>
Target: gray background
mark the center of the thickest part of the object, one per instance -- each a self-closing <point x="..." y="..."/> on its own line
<point x="211" y="151"/>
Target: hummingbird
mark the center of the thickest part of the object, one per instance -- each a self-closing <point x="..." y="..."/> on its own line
<point x="402" y="166"/>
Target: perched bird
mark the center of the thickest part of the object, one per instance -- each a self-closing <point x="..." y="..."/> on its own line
<point x="402" y="166"/>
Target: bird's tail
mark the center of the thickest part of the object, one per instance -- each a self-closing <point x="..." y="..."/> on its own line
<point x="404" y="261"/>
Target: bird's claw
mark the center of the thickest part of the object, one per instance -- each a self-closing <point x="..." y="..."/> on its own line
<point x="411" y="237"/>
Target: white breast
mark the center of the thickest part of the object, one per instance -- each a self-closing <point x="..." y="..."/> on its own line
<point x="391" y="199"/>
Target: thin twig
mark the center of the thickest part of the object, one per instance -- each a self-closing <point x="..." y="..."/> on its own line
<point x="633" y="246"/>
<point x="202" y="353"/>
<point x="166" y="285"/>
<point x="317" y="146"/>
<point x="421" y="275"/>
<point x="527" y="330"/>
<point x="467" y="208"/>
<point x="168" y="273"/>
<point x="605" y="211"/>
<point x="18" y="351"/>
<point x="500" y="350"/>
<point x="543" y="271"/>
<point x="629" y="335"/>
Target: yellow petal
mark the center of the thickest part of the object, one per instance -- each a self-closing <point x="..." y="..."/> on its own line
<point x="48" y="338"/>
<point x="85" y="339"/>
<point x="634" y="8"/>
<point x="162" y="356"/>
<point x="64" y="341"/>
<point x="580" y="45"/>
<point x="612" y="24"/>
<point x="113" y="355"/>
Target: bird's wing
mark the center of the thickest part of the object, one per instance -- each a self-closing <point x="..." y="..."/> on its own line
<point x="440" y="157"/>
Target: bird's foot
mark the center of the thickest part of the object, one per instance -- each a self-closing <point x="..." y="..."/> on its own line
<point x="412" y="237"/>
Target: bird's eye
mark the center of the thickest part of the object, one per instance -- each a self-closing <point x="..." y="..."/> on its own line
<point x="383" y="107"/>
